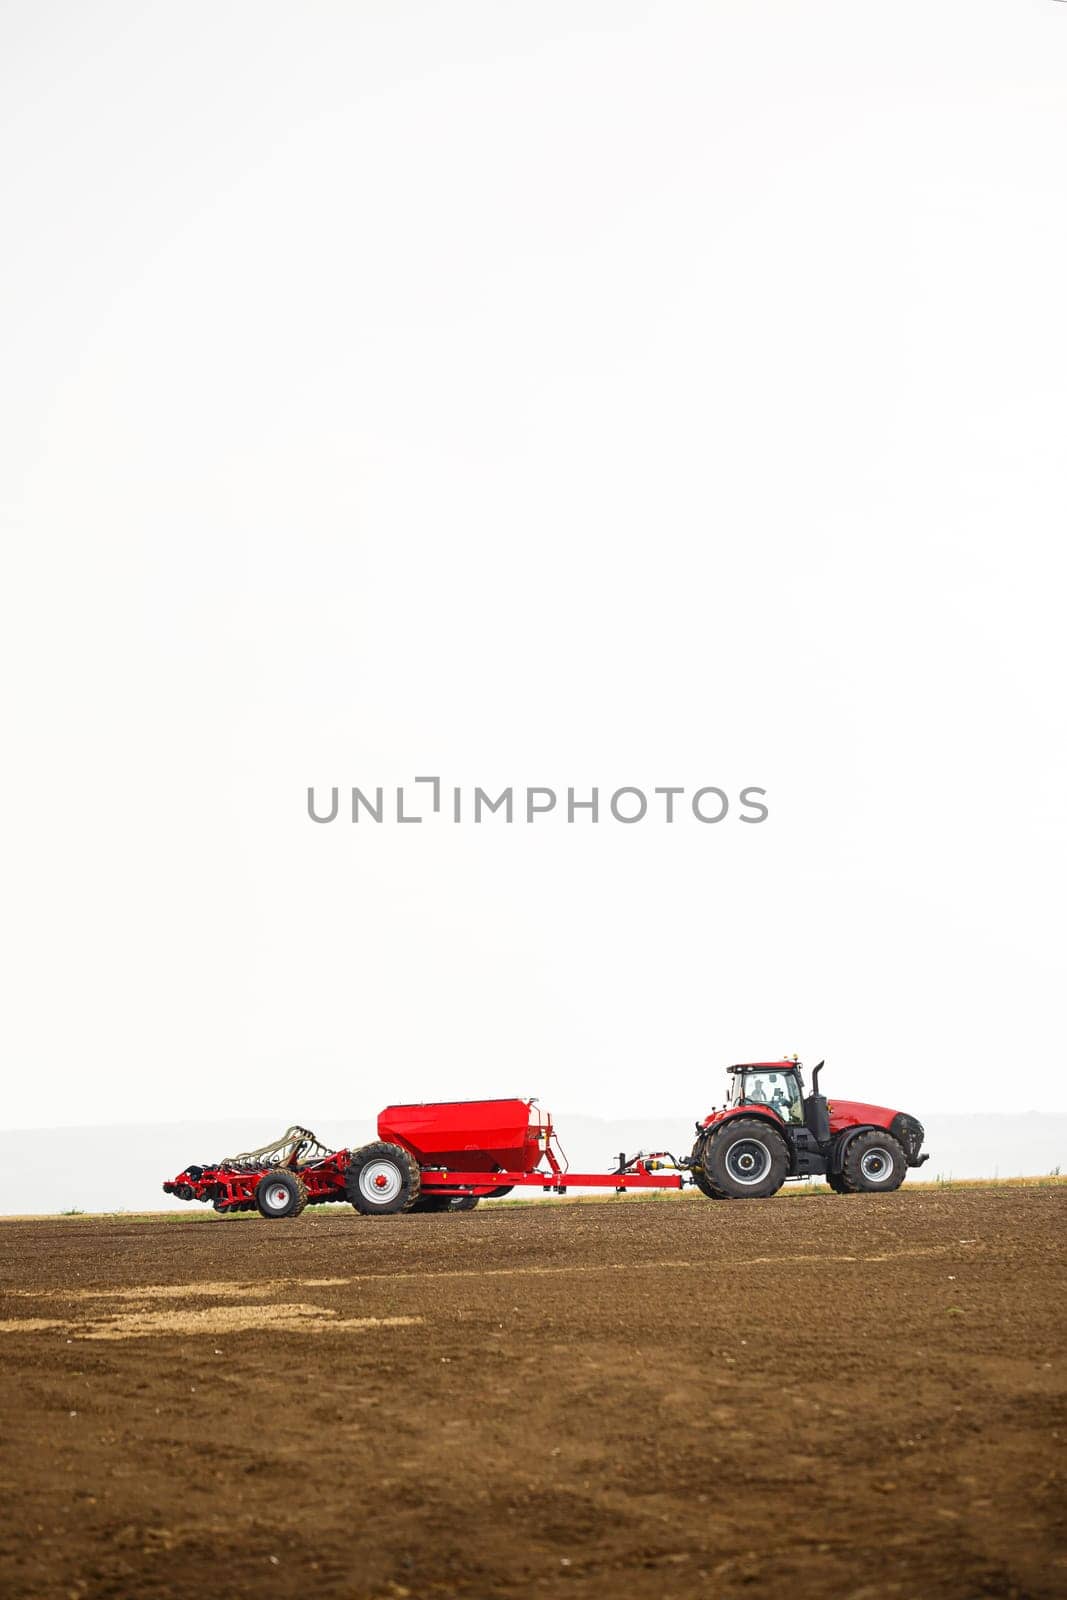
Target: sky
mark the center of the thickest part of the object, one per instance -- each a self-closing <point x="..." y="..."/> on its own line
<point x="566" y="395"/>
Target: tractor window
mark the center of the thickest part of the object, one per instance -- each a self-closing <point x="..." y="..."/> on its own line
<point x="779" y="1090"/>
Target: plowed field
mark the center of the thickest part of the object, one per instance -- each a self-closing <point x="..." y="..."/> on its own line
<point x="860" y="1397"/>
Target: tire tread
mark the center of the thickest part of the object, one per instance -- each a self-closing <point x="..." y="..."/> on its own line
<point x="850" y="1167"/>
<point x="381" y="1151"/>
<point x="747" y="1127"/>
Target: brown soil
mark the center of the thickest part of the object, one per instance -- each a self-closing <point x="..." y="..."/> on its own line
<point x="860" y="1397"/>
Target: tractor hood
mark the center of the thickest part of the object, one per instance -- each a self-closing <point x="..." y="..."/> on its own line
<point x="908" y="1131"/>
<point x="853" y="1113"/>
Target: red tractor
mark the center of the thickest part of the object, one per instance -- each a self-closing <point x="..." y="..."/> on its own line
<point x="448" y="1155"/>
<point x="770" y="1130"/>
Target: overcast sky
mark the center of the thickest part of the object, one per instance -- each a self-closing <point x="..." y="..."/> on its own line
<point x="561" y="395"/>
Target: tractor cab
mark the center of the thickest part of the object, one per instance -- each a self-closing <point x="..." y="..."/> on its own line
<point x="777" y="1085"/>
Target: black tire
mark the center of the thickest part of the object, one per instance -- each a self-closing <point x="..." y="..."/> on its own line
<point x="382" y="1179"/>
<point x="874" y="1163"/>
<point x="746" y="1159"/>
<point x="837" y="1183"/>
<point x="499" y="1192"/>
<point x="464" y="1202"/>
<point x="707" y="1189"/>
<point x="280" y="1194"/>
<point x="446" y="1202"/>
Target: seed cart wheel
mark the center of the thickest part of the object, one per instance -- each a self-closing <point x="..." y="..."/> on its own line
<point x="280" y="1194"/>
<point x="746" y="1159"/>
<point x="381" y="1179"/>
<point x="464" y="1202"/>
<point x="874" y="1163"/>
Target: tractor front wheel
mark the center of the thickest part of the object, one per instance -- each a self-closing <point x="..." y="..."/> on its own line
<point x="874" y="1163"/>
<point x="747" y="1159"/>
<point x="381" y="1179"/>
<point x="280" y="1194"/>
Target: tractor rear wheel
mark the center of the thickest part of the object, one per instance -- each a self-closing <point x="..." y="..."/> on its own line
<point x="381" y="1179"/>
<point x="746" y="1159"/>
<point x="704" y="1186"/>
<point x="280" y="1194"/>
<point x="874" y="1163"/>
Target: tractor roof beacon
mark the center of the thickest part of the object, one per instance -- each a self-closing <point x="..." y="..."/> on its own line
<point x="448" y="1155"/>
